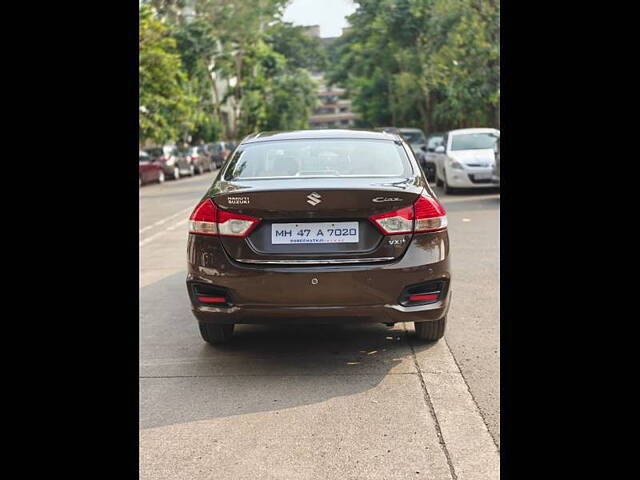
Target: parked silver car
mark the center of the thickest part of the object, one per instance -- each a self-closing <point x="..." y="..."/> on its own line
<point x="466" y="159"/>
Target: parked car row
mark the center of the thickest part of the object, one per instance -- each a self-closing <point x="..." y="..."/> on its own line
<point x="172" y="162"/>
<point x="463" y="158"/>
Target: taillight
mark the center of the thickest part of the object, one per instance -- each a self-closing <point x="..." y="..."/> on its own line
<point x="398" y="221"/>
<point x="203" y="219"/>
<point x="429" y="215"/>
<point x="425" y="215"/>
<point x="209" y="219"/>
<point x="235" y="225"/>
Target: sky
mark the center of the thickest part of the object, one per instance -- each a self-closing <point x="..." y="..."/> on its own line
<point x="329" y="14"/>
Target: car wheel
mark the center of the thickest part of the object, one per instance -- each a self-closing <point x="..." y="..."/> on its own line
<point x="192" y="171"/>
<point x="215" y="334"/>
<point x="176" y="173"/>
<point x="447" y="188"/>
<point x="438" y="181"/>
<point x="430" y="331"/>
<point x="161" y="177"/>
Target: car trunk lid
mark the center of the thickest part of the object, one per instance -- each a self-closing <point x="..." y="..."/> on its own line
<point x="337" y="209"/>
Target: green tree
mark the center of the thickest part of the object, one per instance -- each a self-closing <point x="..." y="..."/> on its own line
<point x="299" y="49"/>
<point x="236" y="54"/>
<point x="428" y="63"/>
<point x="239" y="27"/>
<point x="165" y="106"/>
<point x="198" y="45"/>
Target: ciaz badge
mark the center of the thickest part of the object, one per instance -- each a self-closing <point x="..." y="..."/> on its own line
<point x="386" y="199"/>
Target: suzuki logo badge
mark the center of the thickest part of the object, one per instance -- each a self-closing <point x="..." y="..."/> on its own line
<point x="314" y="199"/>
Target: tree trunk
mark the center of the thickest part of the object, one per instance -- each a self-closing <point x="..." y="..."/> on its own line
<point x="392" y="103"/>
<point x="495" y="116"/>
<point x="216" y="97"/>
<point x="237" y="95"/>
<point x="425" y="107"/>
<point x="424" y="116"/>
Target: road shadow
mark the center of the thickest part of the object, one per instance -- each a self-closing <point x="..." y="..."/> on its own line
<point x="265" y="368"/>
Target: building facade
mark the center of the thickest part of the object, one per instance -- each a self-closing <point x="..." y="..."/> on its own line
<point x="333" y="110"/>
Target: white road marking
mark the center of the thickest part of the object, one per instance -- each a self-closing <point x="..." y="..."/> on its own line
<point x="162" y="232"/>
<point x="165" y="220"/>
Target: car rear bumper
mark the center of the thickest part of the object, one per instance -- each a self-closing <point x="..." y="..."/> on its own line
<point x="319" y="294"/>
<point x="325" y="314"/>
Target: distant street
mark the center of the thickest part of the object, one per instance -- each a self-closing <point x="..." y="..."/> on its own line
<point x="318" y="402"/>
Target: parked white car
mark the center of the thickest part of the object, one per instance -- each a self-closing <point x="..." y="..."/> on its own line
<point x="466" y="159"/>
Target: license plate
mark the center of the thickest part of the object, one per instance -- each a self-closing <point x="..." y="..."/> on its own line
<point x="482" y="176"/>
<point x="320" y="232"/>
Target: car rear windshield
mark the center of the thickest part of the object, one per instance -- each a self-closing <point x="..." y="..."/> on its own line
<point x="473" y="141"/>
<point x="318" y="158"/>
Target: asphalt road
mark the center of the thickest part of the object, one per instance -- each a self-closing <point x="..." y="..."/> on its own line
<point x="318" y="402"/>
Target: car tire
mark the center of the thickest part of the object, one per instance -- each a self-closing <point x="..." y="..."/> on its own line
<point x="438" y="181"/>
<point x="161" y="177"/>
<point x="192" y="171"/>
<point x="447" y="189"/>
<point x="215" y="334"/>
<point x="176" y="173"/>
<point x="430" y="331"/>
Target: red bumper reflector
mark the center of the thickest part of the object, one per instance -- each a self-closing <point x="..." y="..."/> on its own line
<point x="212" y="299"/>
<point x="424" y="298"/>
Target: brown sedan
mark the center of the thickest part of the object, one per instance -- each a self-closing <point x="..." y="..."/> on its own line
<point x="319" y="226"/>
